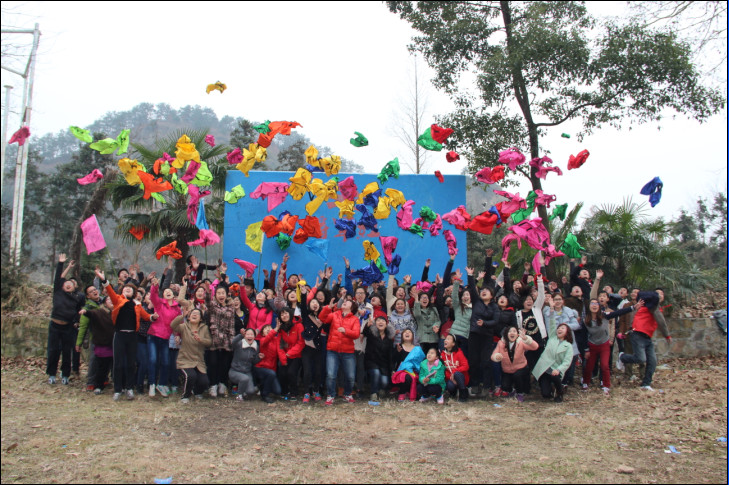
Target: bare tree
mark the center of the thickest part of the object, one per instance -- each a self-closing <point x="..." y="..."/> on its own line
<point x="410" y="120"/>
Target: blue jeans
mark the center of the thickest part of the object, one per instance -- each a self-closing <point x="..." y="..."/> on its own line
<point x="334" y="359"/>
<point x="644" y="352"/>
<point x="142" y="364"/>
<point x="459" y="385"/>
<point x="159" y="359"/>
<point x="378" y="380"/>
<point x="267" y="381"/>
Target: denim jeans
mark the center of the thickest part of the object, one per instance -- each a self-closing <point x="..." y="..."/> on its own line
<point x="142" y="363"/>
<point x="459" y="385"/>
<point x="644" y="353"/>
<point x="158" y="350"/>
<point x="267" y="381"/>
<point x="334" y="359"/>
<point x="378" y="380"/>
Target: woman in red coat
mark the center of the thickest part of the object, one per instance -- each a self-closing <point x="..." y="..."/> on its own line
<point x="291" y="344"/>
<point x="265" y="371"/>
<point x="456" y="368"/>
<point x="344" y="329"/>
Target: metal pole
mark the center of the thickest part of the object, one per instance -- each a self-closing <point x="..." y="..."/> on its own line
<point x="5" y="134"/>
<point x="22" y="162"/>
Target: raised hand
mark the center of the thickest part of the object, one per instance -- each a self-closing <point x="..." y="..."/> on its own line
<point x="100" y="274"/>
<point x="489" y="252"/>
<point x="407" y="279"/>
<point x="427" y="263"/>
<point x="481" y="275"/>
<point x="599" y="274"/>
<point x="62" y="258"/>
<point x="469" y="271"/>
<point x="346" y="262"/>
<point x="274" y="266"/>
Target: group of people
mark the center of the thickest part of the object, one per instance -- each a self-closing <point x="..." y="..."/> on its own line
<point x="458" y="336"/>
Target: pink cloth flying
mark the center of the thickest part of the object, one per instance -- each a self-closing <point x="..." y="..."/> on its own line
<point x="191" y="171"/>
<point x="515" y="202"/>
<point x="389" y="245"/>
<point x="207" y="237"/>
<point x="458" y="217"/>
<point x="210" y="140"/>
<point x="94" y="176"/>
<point x="20" y="136"/>
<point x="193" y="204"/>
<point x="405" y="215"/>
<point x="512" y="158"/>
<point x="249" y="268"/>
<point x="542" y="169"/>
<point x="544" y="199"/>
<point x="451" y="241"/>
<point x="348" y="188"/>
<point x="235" y="157"/>
<point x="274" y="192"/>
<point x="532" y="232"/>
<point x="436" y="226"/>
<point x="490" y="175"/>
<point x="93" y="238"/>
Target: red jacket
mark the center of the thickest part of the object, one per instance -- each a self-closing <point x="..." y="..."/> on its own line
<point x="338" y="341"/>
<point x="645" y="322"/>
<point x="291" y="343"/>
<point x="269" y="348"/>
<point x="455" y="362"/>
<point x="257" y="317"/>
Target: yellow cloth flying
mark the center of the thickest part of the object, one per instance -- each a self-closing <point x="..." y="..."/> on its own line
<point x="218" y="86"/>
<point x="382" y="211"/>
<point x="346" y="209"/>
<point x="299" y="183"/>
<point x="331" y="165"/>
<point x="311" y="154"/>
<point x="371" y="252"/>
<point x="130" y="168"/>
<point x="371" y="187"/>
<point x="185" y="151"/>
<point x="397" y="198"/>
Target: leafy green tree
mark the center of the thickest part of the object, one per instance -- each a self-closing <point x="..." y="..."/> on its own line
<point x="540" y="64"/>
<point x="168" y="222"/>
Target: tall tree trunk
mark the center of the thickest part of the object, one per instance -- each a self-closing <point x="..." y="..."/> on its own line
<point x="95" y="205"/>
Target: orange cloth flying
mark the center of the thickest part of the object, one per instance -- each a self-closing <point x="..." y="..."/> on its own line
<point x="152" y="184"/>
<point x="170" y="250"/>
<point x="139" y="232"/>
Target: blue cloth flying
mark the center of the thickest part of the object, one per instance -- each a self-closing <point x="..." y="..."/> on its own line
<point x="201" y="222"/>
<point x="348" y="226"/>
<point x="394" y="266"/>
<point x="413" y="360"/>
<point x="368" y="275"/>
<point x="367" y="220"/>
<point x="320" y="247"/>
<point x="653" y="190"/>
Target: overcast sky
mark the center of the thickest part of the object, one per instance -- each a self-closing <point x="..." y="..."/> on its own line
<point x="335" y="67"/>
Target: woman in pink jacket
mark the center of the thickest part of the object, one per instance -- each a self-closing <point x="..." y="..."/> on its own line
<point x="158" y="338"/>
<point x="510" y="352"/>
<point x="260" y="312"/>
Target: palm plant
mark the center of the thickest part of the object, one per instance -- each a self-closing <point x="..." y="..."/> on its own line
<point x="168" y="222"/>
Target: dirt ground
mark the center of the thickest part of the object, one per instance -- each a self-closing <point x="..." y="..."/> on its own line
<point x="63" y="434"/>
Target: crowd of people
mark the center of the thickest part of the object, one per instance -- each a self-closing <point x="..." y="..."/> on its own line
<point x="458" y="336"/>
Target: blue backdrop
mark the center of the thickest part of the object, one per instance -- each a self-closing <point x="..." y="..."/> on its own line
<point x="425" y="190"/>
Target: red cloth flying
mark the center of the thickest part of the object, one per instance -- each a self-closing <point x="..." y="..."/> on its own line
<point x="484" y="222"/>
<point x="152" y="185"/>
<point x="440" y="134"/>
<point x="139" y="232"/>
<point x="439" y="176"/>
<point x="20" y="136"/>
<point x="169" y="250"/>
<point x="452" y="157"/>
<point x="578" y="161"/>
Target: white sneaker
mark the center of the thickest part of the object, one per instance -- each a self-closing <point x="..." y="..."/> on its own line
<point x="584" y="387"/>
<point x="222" y="390"/>
<point x="52" y="380"/>
<point x="163" y="391"/>
<point x="213" y="391"/>
<point x="199" y="397"/>
<point x="619" y="364"/>
<point x="130" y="395"/>
<point x="647" y="388"/>
<point x="606" y="391"/>
<point x="151" y="390"/>
<point x="184" y="400"/>
<point x="116" y="396"/>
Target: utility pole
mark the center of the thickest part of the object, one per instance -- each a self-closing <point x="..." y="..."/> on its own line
<point x="5" y="133"/>
<point x="21" y="163"/>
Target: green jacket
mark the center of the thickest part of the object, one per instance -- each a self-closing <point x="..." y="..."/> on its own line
<point x="438" y="378"/>
<point x="426" y="318"/>
<point x="462" y="320"/>
<point x="83" y="324"/>
<point x="557" y="354"/>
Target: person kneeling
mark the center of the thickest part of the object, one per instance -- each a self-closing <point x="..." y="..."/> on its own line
<point x="510" y="352"/>
<point x="432" y="377"/>
<point x="245" y="356"/>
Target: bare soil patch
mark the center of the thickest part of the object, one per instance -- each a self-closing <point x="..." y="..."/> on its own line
<point x="63" y="434"/>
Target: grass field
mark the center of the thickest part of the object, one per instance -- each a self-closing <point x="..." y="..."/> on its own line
<point x="63" y="434"/>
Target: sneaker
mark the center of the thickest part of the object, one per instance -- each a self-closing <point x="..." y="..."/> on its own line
<point x="64" y="381"/>
<point x="374" y="397"/>
<point x="130" y="395"/>
<point x="173" y="390"/>
<point x="472" y="393"/>
<point x="424" y="399"/>
<point x="606" y="391"/>
<point x="633" y="378"/>
<point x="401" y="397"/>
<point x="329" y="401"/>
<point x="647" y="388"/>
<point x="199" y="397"/>
<point x="289" y="397"/>
<point x="97" y="391"/>
<point x="222" y="390"/>
<point x="90" y="388"/>
<point x="185" y="400"/>
<point x="619" y="363"/>
<point x="307" y="397"/>
<point x="239" y="397"/>
<point x="317" y="396"/>
<point x="152" y="390"/>
<point x="213" y="391"/>
<point x="440" y="400"/>
<point x="163" y="391"/>
<point x="558" y="398"/>
<point x="584" y="387"/>
<point x="348" y="398"/>
<point x="520" y="397"/>
<point x="116" y="396"/>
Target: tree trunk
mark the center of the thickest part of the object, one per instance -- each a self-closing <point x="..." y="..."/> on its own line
<point x="95" y="205"/>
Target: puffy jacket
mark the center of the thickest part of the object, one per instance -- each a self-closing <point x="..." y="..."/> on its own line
<point x="520" y="361"/>
<point x="426" y="319"/>
<point x="291" y="342"/>
<point x="269" y="348"/>
<point x="481" y="311"/>
<point x="647" y="321"/>
<point x="437" y="378"/>
<point x="379" y="351"/>
<point x="338" y="341"/>
<point x="161" y="328"/>
<point x="462" y="323"/>
<point x="245" y="356"/>
<point x="455" y="362"/>
<point x="120" y="301"/>
<point x="257" y="317"/>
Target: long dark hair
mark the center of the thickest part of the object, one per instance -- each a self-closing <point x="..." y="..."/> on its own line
<point x="568" y="335"/>
<point x="600" y="315"/>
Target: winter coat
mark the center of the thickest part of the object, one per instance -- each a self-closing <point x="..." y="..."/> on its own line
<point x="338" y="341"/>
<point x="557" y="354"/>
<point x="192" y="352"/>
<point x="520" y="361"/>
<point x="245" y="356"/>
<point x="161" y="327"/>
<point x="489" y="314"/>
<point x="433" y="379"/>
<point x="426" y="318"/>
<point x="291" y="342"/>
<point x="462" y="323"/>
<point x="269" y="348"/>
<point x="222" y="325"/>
<point x="455" y="362"/>
<point x="379" y="351"/>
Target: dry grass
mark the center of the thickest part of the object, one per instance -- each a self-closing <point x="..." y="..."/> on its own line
<point x="63" y="434"/>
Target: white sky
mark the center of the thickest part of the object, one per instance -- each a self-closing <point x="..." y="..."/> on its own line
<point x="335" y="67"/>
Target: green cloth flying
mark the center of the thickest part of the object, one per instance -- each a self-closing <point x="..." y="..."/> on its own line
<point x="177" y="184"/>
<point x="426" y="141"/>
<point x="203" y="176"/>
<point x="360" y="140"/>
<point x="158" y="197"/>
<point x="105" y="146"/>
<point x="235" y="194"/>
<point x="559" y="211"/>
<point x="416" y="229"/>
<point x="83" y="135"/>
<point x="283" y="240"/>
<point x="381" y="266"/>
<point x="391" y="169"/>
<point x="427" y="214"/>
<point x="523" y="214"/>
<point x="571" y="248"/>
<point x="263" y="127"/>
<point x="123" y="142"/>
